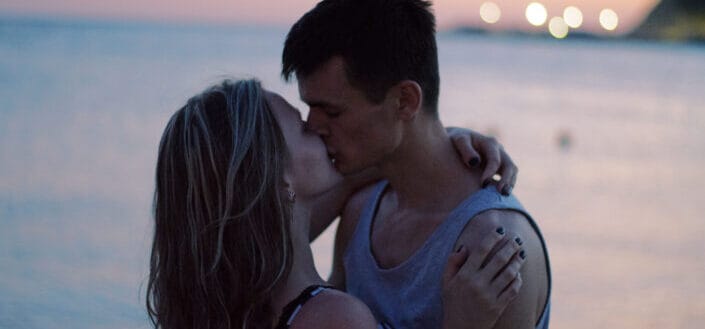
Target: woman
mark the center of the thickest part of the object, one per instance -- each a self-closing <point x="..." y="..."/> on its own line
<point x="237" y="179"/>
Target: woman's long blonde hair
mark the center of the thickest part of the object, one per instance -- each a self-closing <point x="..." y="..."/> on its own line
<point x="222" y="235"/>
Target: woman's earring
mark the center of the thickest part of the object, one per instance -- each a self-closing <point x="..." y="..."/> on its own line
<point x="292" y="196"/>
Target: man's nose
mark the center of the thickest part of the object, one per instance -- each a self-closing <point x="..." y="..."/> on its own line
<point x="316" y="124"/>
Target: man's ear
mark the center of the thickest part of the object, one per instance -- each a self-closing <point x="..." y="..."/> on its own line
<point x="410" y="99"/>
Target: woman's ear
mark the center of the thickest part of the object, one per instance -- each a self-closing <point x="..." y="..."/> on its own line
<point x="288" y="188"/>
<point x="410" y="99"/>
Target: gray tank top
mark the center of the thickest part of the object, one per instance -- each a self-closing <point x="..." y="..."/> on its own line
<point x="409" y="295"/>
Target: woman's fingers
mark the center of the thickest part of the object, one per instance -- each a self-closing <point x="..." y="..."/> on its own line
<point x="508" y="172"/>
<point x="507" y="275"/>
<point x="455" y="262"/>
<point x="511" y="292"/>
<point x="463" y="145"/>
<point x="501" y="261"/>
<point x="475" y="149"/>
<point x="477" y="257"/>
<point x="490" y="150"/>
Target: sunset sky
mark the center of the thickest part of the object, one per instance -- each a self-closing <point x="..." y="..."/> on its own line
<point x="450" y="13"/>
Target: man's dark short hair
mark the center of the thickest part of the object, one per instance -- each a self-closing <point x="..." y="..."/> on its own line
<point x="382" y="43"/>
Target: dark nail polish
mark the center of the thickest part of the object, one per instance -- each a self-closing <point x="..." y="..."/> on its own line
<point x="518" y="241"/>
<point x="522" y="254"/>
<point x="500" y="230"/>
<point x="474" y="162"/>
<point x="506" y="190"/>
<point x="459" y="248"/>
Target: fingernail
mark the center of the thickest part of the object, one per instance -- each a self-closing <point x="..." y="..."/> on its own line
<point x="518" y="241"/>
<point x="460" y="248"/>
<point x="506" y="190"/>
<point x="500" y="230"/>
<point x="474" y="162"/>
<point x="522" y="254"/>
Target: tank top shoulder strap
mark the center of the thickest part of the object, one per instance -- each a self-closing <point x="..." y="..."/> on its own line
<point x="362" y="231"/>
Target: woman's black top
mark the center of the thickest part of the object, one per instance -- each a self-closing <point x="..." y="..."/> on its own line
<point x="294" y="307"/>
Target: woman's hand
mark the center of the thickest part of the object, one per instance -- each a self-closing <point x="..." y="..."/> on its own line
<point x="476" y="149"/>
<point x="478" y="286"/>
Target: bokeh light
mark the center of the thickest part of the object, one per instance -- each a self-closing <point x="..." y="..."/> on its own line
<point x="490" y="12"/>
<point x="536" y="14"/>
<point x="558" y="28"/>
<point x="573" y="17"/>
<point x="609" y="19"/>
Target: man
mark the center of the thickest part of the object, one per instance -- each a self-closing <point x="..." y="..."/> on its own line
<point x="368" y="69"/>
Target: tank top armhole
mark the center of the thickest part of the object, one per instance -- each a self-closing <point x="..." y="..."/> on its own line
<point x="361" y="233"/>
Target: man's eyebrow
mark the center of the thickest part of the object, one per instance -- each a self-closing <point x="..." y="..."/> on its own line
<point x="318" y="103"/>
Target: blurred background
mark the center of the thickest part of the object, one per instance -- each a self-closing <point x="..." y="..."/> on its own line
<point x="601" y="103"/>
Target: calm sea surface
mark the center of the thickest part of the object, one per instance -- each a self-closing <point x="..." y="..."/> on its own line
<point x="609" y="136"/>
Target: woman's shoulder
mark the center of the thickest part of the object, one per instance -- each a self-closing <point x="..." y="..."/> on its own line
<point x="334" y="309"/>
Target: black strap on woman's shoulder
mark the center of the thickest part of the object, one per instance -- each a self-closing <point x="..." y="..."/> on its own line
<point x="290" y="310"/>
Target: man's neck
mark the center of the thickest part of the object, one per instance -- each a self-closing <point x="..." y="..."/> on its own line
<point x="425" y="171"/>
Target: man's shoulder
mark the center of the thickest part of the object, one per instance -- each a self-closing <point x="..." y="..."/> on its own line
<point x="489" y="209"/>
<point x="512" y="221"/>
<point x="535" y="273"/>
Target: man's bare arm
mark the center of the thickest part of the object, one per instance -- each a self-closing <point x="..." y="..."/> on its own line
<point x="525" y="310"/>
<point x="486" y="287"/>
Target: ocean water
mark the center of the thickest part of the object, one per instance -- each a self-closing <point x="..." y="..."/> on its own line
<point x="609" y="138"/>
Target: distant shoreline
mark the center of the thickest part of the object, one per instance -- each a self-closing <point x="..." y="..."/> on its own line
<point x="573" y="35"/>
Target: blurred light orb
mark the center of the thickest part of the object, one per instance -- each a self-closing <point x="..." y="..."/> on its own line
<point x="609" y="19"/>
<point x="573" y="17"/>
<point x="558" y="28"/>
<point x="536" y="14"/>
<point x="490" y="12"/>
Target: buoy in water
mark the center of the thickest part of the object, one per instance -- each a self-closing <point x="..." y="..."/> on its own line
<point x="564" y="140"/>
